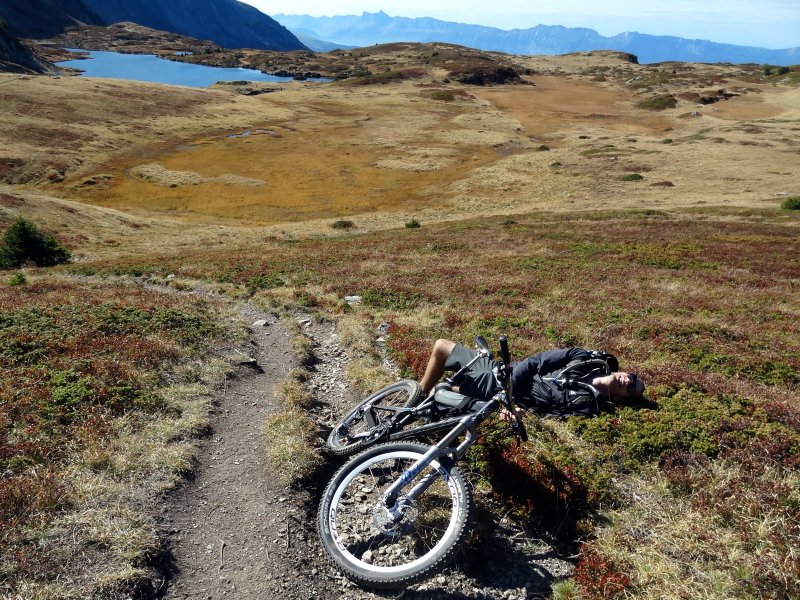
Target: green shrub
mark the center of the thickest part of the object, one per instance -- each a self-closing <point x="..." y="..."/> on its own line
<point x="443" y="95"/>
<point x="23" y="242"/>
<point x="658" y="103"/>
<point x="413" y="224"/>
<point x="265" y="281"/>
<point x="342" y="224"/>
<point x="391" y="299"/>
<point x="69" y="390"/>
<point x="791" y="203"/>
<point x="632" y="177"/>
<point x="17" y="279"/>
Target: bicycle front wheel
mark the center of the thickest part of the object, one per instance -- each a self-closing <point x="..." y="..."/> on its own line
<point x="365" y="424"/>
<point x="381" y="548"/>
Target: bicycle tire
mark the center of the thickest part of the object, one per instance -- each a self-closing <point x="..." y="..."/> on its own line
<point x="371" y="550"/>
<point x="342" y="441"/>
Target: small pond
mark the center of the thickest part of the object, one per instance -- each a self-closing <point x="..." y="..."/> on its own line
<point x="148" y="67"/>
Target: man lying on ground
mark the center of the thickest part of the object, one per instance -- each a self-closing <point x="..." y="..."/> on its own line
<point x="556" y="382"/>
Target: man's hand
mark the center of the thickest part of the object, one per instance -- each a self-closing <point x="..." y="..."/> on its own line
<point x="506" y="415"/>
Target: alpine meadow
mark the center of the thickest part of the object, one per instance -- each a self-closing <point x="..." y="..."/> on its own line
<point x="424" y="191"/>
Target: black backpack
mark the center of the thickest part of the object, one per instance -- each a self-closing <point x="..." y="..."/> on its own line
<point x="570" y="391"/>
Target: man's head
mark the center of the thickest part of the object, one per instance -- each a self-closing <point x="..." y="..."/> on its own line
<point x="621" y="385"/>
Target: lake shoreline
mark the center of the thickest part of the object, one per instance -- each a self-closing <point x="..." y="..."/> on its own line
<point x="151" y="68"/>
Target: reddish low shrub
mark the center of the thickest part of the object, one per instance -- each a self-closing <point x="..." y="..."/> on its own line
<point x="598" y="577"/>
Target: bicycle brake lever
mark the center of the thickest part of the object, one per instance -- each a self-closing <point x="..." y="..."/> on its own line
<point x="522" y="432"/>
<point x="518" y="429"/>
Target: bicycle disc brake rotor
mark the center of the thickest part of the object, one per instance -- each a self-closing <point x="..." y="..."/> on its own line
<point x="390" y="526"/>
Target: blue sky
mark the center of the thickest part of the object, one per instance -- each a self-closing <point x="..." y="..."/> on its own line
<point x="765" y="23"/>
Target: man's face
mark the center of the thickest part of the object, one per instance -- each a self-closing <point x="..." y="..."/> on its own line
<point x="625" y="386"/>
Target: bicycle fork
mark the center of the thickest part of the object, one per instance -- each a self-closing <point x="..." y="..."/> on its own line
<point x="467" y="425"/>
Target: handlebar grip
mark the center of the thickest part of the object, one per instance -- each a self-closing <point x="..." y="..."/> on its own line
<point x="504" y="350"/>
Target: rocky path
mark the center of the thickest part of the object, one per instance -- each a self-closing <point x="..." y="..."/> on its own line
<point x="230" y="528"/>
<point x="234" y="531"/>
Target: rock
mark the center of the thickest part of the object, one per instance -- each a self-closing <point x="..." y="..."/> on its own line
<point x="352" y="299"/>
<point x="260" y="323"/>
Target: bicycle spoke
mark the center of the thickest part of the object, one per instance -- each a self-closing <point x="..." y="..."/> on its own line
<point x="368" y="533"/>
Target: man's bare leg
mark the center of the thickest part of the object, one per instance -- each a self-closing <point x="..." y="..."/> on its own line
<point x="435" y="368"/>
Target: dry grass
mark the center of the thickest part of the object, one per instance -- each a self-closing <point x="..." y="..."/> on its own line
<point x="441" y="160"/>
<point x="693" y="282"/>
<point x="674" y="550"/>
<point x="291" y="451"/>
<point x="293" y="393"/>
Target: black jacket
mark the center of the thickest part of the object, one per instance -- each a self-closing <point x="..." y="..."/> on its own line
<point x="529" y="379"/>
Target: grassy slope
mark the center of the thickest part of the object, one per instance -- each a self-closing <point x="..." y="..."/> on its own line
<point x="697" y="290"/>
<point x="702" y="304"/>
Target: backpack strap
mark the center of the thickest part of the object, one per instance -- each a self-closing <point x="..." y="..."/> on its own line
<point x="582" y="369"/>
<point x="574" y="376"/>
<point x="609" y="359"/>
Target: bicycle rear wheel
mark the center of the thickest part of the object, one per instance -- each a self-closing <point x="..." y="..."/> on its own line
<point x="365" y="423"/>
<point x="376" y="548"/>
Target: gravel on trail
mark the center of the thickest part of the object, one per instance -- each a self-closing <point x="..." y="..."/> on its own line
<point x="233" y="530"/>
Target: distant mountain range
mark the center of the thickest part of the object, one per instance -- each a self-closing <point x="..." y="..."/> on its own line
<point x="229" y="23"/>
<point x="377" y="28"/>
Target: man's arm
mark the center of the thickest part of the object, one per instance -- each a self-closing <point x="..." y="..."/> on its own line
<point x="540" y="364"/>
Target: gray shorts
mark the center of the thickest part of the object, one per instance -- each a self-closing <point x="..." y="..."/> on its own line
<point x="479" y="381"/>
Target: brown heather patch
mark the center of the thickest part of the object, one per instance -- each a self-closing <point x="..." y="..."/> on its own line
<point x="84" y="416"/>
<point x="598" y="577"/>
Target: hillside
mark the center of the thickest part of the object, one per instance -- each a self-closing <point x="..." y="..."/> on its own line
<point x="377" y="28"/>
<point x="163" y="395"/>
<point x="227" y="22"/>
<point x="45" y="18"/>
<point x="458" y="142"/>
<point x="16" y="57"/>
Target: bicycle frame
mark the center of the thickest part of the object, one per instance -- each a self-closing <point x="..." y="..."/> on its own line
<point x="405" y="415"/>
<point x="467" y="426"/>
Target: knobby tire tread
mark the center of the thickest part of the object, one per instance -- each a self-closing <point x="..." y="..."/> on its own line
<point x="414" y="393"/>
<point x="430" y="568"/>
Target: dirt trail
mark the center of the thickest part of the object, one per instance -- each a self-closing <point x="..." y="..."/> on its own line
<point x="234" y="531"/>
<point x="230" y="529"/>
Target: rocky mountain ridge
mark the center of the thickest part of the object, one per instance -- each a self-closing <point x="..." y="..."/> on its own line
<point x="16" y="57"/>
<point x="377" y="28"/>
<point x="229" y="23"/>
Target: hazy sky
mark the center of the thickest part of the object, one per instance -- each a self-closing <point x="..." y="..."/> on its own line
<point x="764" y="23"/>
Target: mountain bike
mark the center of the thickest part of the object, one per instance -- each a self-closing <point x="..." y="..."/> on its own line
<point x="390" y="413"/>
<point x="398" y="512"/>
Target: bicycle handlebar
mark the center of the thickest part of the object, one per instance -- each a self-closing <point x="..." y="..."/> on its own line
<point x="504" y="350"/>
